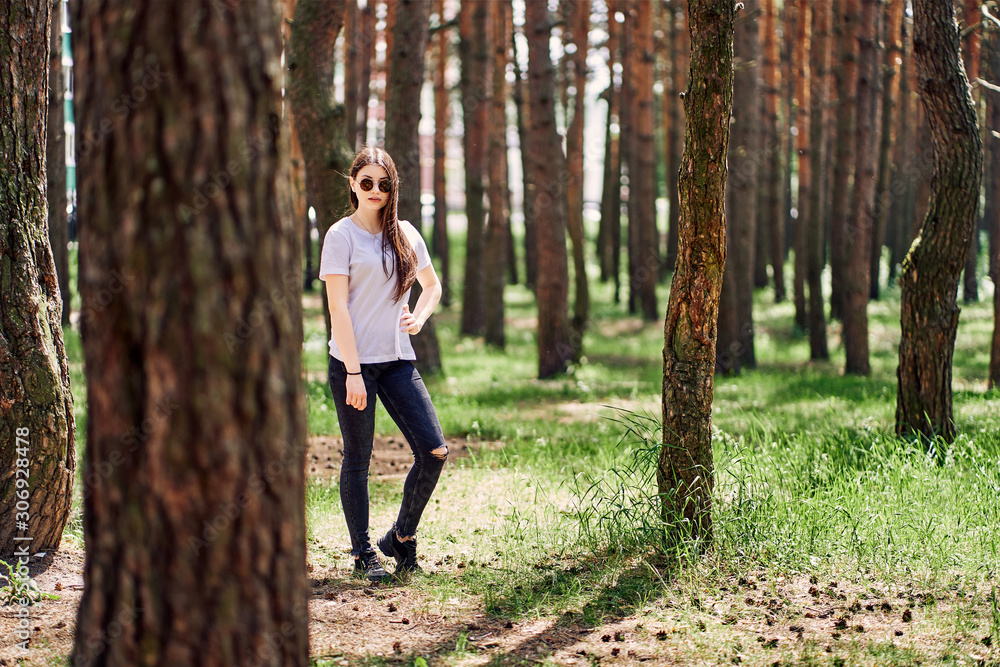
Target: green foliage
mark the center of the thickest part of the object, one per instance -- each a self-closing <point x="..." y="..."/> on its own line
<point x="21" y="589"/>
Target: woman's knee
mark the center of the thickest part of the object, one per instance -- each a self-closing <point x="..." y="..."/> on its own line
<point x="441" y="453"/>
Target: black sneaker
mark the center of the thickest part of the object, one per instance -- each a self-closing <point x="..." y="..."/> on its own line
<point x="405" y="553"/>
<point x="369" y="567"/>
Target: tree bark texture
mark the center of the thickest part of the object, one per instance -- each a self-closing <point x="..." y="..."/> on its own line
<point x="194" y="502"/>
<point x="498" y="227"/>
<point x="685" y="474"/>
<point x="55" y="161"/>
<point x="642" y="168"/>
<point x="771" y="216"/>
<point x="578" y="12"/>
<point x="802" y="12"/>
<point x="402" y="142"/>
<point x="819" y="67"/>
<point x="735" y="344"/>
<point x="929" y="310"/>
<point x="546" y="167"/>
<point x="475" y="89"/>
<point x="319" y="122"/>
<point x="860" y="227"/>
<point x="442" y="116"/>
<point x="888" y="117"/>
<point x="37" y="429"/>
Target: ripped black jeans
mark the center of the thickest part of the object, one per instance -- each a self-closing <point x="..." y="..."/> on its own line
<point x="403" y="394"/>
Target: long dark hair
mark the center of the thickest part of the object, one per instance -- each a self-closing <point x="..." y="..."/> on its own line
<point x="394" y="245"/>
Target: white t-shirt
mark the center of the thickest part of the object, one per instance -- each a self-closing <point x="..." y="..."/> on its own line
<point x="349" y="250"/>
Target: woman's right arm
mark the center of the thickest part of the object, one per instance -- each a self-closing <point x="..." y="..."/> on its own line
<point x="343" y="336"/>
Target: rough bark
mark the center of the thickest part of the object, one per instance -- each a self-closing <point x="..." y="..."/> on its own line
<point x="642" y="169"/>
<point x="889" y="117"/>
<point x="735" y="343"/>
<point x="495" y="260"/>
<point x="578" y="12"/>
<point x="55" y="161"/>
<point x="772" y="216"/>
<point x="441" y="118"/>
<point x="860" y="227"/>
<point x="802" y="12"/>
<point x="545" y="166"/>
<point x="929" y="310"/>
<point x="37" y="430"/>
<point x="194" y="503"/>
<point x="685" y="474"/>
<point x="819" y="66"/>
<point x="845" y="77"/>
<point x="402" y="142"/>
<point x="474" y="85"/>
<point x="319" y="121"/>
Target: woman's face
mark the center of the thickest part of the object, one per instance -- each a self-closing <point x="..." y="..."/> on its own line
<point x="375" y="178"/>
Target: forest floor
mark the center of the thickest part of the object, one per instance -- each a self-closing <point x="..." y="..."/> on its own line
<point x="836" y="543"/>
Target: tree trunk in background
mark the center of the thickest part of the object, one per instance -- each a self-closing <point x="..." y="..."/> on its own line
<point x="902" y="178"/>
<point x="642" y="168"/>
<point x="681" y="48"/>
<point x="685" y="475"/>
<point x="771" y="214"/>
<point x="37" y="428"/>
<point x="495" y="257"/>
<point x="664" y="31"/>
<point x="352" y="83"/>
<point x="194" y="504"/>
<point x="528" y="204"/>
<point x="366" y="56"/>
<point x="788" y="22"/>
<point x="627" y="132"/>
<point x="845" y="76"/>
<point x="609" y="233"/>
<point x="734" y="347"/>
<point x="819" y="67"/>
<point x="402" y="142"/>
<point x="889" y="117"/>
<point x="858" y="234"/>
<point x="299" y="203"/>
<point x="55" y="160"/>
<point x="441" y="119"/>
<point x="578" y="13"/>
<point x="970" y="57"/>
<point x="929" y="311"/>
<point x="310" y="60"/>
<point x="545" y="165"/>
<point x="475" y="89"/>
<point x="803" y="14"/>
<point x="991" y="65"/>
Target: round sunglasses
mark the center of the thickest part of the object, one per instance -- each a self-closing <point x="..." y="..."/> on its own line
<point x="367" y="184"/>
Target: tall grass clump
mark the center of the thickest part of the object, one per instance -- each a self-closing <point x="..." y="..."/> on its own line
<point x="834" y="498"/>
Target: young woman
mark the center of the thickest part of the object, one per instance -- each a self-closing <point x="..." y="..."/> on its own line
<point x="370" y="260"/>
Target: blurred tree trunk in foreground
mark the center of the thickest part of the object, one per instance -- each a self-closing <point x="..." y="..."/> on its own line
<point x="685" y="474"/>
<point x="860" y="227"/>
<point x="37" y="428"/>
<point x="545" y="167"/>
<point x="194" y="501"/>
<point x="929" y="311"/>
<point x="735" y="333"/>
<point x="318" y="121"/>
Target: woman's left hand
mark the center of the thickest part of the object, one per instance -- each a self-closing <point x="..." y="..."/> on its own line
<point x="408" y="322"/>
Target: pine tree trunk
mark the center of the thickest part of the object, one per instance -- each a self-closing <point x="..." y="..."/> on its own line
<point x="441" y="118"/>
<point x="37" y="429"/>
<point x="545" y="165"/>
<point x="991" y="62"/>
<point x="685" y="475"/>
<point x="845" y="76"/>
<point x="819" y="67"/>
<point x="889" y="116"/>
<point x="902" y="180"/>
<point x="55" y="161"/>
<point x="352" y="84"/>
<point x="929" y="311"/>
<point x="858" y="234"/>
<point x="495" y="259"/>
<point x="528" y="203"/>
<point x="642" y="171"/>
<point x="803" y="13"/>
<point x="611" y="187"/>
<point x="970" y="57"/>
<point x="366" y="56"/>
<point x="296" y="164"/>
<point x="681" y="48"/>
<point x="772" y="216"/>
<point x="194" y="502"/>
<point x="319" y="122"/>
<point x="402" y="142"/>
<point x="627" y="141"/>
<point x="475" y="89"/>
<point x="578" y="12"/>
<point x="734" y="348"/>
